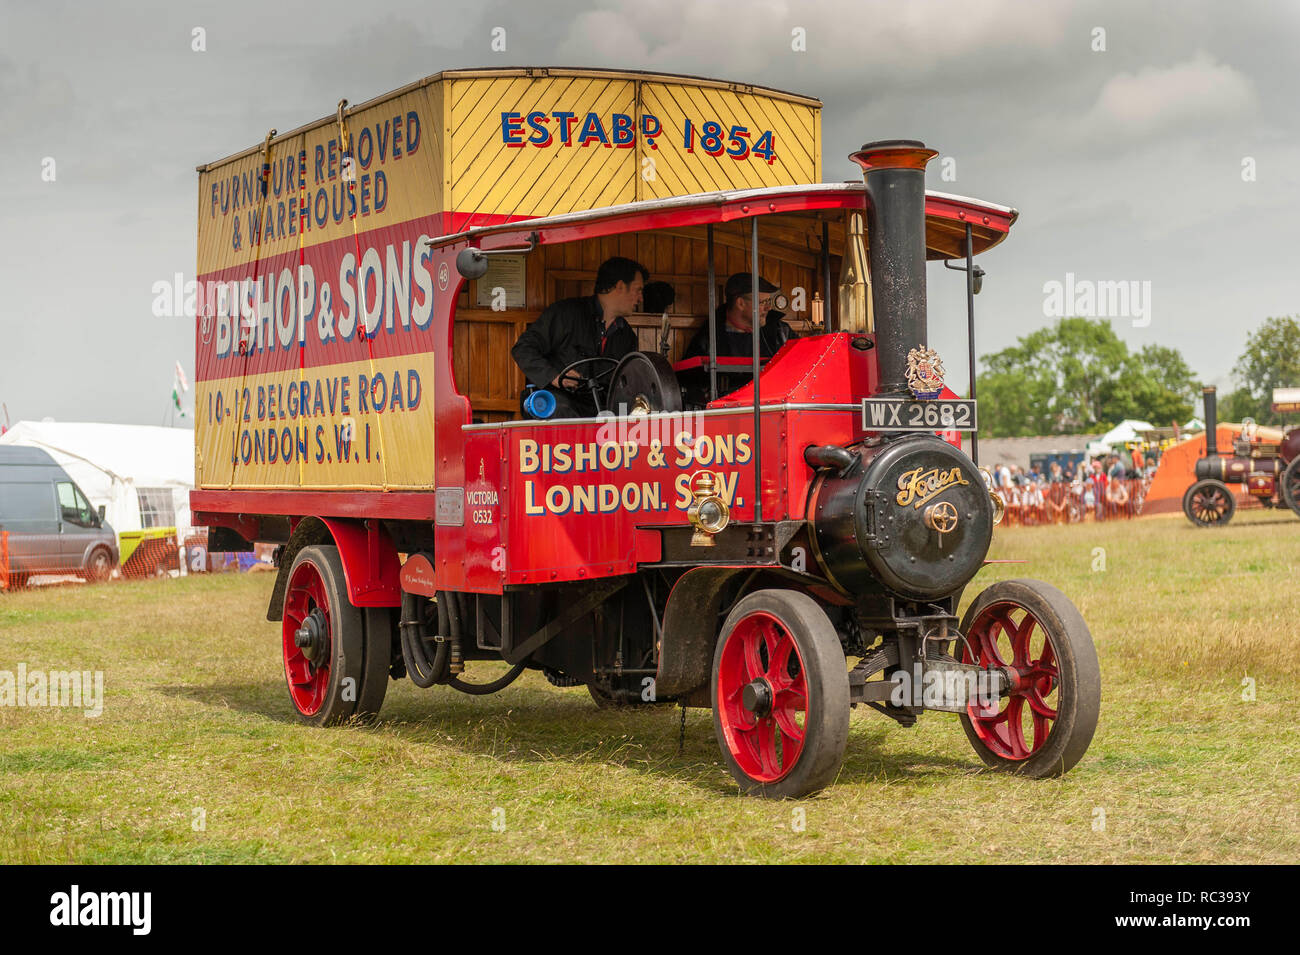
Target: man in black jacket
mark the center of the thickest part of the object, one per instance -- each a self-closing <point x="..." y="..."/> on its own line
<point x="585" y="327"/>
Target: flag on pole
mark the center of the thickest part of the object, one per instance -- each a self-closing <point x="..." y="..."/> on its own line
<point x="180" y="385"/>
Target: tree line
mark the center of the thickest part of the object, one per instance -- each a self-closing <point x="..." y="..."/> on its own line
<point x="1078" y="377"/>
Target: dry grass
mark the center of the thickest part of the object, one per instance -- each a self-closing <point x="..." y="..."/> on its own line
<point x="197" y="718"/>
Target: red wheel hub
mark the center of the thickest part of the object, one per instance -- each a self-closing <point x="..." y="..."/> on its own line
<point x="307" y="635"/>
<point x="762" y="697"/>
<point x="1008" y="635"/>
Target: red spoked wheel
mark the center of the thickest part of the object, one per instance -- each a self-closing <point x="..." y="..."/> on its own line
<point x="322" y="635"/>
<point x="1044" y="725"/>
<point x="780" y="695"/>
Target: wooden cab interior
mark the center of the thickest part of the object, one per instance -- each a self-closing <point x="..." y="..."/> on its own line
<point x="790" y="255"/>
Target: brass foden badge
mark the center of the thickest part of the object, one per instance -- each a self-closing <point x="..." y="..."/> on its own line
<point x="918" y="485"/>
<point x="924" y="372"/>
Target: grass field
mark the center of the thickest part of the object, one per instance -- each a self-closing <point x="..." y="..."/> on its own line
<point x="197" y="757"/>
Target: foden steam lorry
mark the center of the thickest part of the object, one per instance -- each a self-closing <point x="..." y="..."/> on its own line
<point x="787" y="538"/>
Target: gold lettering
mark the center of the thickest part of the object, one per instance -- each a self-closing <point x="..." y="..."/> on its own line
<point x="918" y="485"/>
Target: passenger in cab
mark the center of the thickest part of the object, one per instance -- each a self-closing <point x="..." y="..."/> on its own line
<point x="583" y="327"/>
<point x="735" y="333"/>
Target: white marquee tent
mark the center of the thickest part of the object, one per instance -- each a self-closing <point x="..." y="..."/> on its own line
<point x="141" y="474"/>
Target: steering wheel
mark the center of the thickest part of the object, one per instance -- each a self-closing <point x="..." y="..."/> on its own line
<point x="591" y="381"/>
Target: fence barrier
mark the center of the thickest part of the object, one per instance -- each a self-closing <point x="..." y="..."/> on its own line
<point x="1073" y="502"/>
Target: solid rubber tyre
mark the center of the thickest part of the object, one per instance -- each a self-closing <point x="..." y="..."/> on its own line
<point x="783" y="641"/>
<point x="376" y="660"/>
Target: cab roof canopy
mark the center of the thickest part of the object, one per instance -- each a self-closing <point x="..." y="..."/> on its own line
<point x="804" y="207"/>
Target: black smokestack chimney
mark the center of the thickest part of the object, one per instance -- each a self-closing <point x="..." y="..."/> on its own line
<point x="895" y="174"/>
<point x="1211" y="400"/>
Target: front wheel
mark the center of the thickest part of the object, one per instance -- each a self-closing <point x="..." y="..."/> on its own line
<point x="780" y="695"/>
<point x="1209" y="503"/>
<point x="1045" y="724"/>
<point x="1291" y="485"/>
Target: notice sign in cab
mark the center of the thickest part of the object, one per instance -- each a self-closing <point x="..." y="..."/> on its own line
<point x="902" y="414"/>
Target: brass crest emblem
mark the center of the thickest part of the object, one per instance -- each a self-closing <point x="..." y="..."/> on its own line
<point x="918" y="485"/>
<point x="924" y="372"/>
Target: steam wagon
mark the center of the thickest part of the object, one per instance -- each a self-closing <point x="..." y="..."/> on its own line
<point x="778" y="537"/>
<point x="1268" y="467"/>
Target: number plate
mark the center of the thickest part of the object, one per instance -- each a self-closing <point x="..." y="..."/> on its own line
<point x="900" y="414"/>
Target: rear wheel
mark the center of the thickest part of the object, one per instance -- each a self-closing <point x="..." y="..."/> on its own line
<point x="1209" y="503"/>
<point x="1291" y="485"/>
<point x="780" y="695"/>
<point x="1045" y="724"/>
<point x="323" y="639"/>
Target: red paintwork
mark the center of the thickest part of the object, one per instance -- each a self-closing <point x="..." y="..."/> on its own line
<point x="224" y="508"/>
<point x="1035" y="675"/>
<point x="370" y="562"/>
<point x="823" y="369"/>
<point x="760" y="648"/>
<point x="1289" y="449"/>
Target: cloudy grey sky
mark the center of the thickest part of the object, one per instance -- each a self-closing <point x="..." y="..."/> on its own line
<point x="1126" y="164"/>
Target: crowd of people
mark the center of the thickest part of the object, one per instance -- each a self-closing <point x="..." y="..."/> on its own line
<point x="1105" y="488"/>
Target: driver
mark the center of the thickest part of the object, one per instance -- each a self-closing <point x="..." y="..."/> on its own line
<point x="583" y="327"/>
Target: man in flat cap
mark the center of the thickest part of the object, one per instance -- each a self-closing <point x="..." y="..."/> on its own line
<point x="735" y="330"/>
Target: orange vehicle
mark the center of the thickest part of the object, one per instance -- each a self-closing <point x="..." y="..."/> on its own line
<point x="778" y="550"/>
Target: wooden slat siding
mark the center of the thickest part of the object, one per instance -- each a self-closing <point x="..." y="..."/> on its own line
<point x="539" y="174"/>
<point x="531" y="181"/>
<point x="744" y="114"/>
<point x="663" y="253"/>
<point x="480" y="360"/>
<point x="681" y="255"/>
<point x="588" y="175"/>
<point x="720" y="171"/>
<point x="794" y="142"/>
<point x="754" y="168"/>
<point x="591" y="255"/>
<point x="671" y="179"/>
<point x="476" y="112"/>
<point x="461" y="355"/>
<point x="591" y="169"/>
<point x="553" y="177"/>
